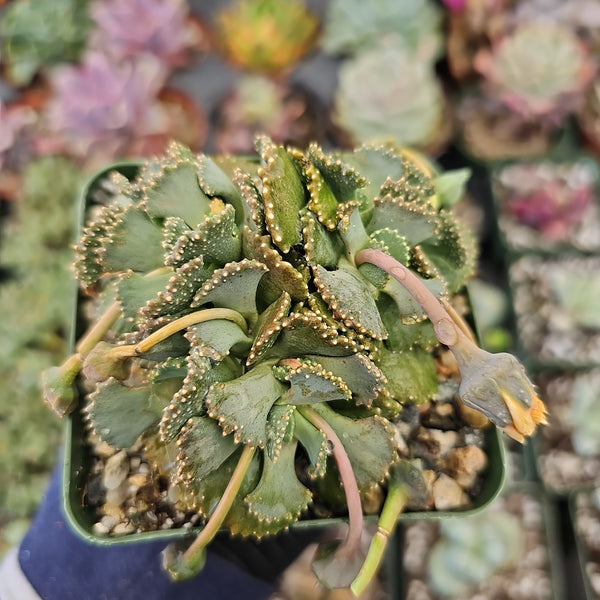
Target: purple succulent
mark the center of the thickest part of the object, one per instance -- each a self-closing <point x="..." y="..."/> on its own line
<point x="100" y="106"/>
<point x="128" y="28"/>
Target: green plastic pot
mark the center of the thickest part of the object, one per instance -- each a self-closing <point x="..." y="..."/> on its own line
<point x="77" y="459"/>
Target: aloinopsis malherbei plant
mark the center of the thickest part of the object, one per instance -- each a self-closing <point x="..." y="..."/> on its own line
<point x="260" y="308"/>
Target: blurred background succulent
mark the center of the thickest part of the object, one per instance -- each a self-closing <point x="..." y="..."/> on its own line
<point x="539" y="71"/>
<point x="101" y="108"/>
<point x="265" y="36"/>
<point x="584" y="414"/>
<point x="163" y="28"/>
<point x="391" y="93"/>
<point x="35" y="35"/>
<point x="469" y="551"/>
<point x="288" y="113"/>
<point x="550" y="200"/>
<point x="351" y="26"/>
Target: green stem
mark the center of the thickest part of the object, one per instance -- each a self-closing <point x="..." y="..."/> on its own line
<point x="98" y="330"/>
<point x="395" y="503"/>
<point x="351" y="545"/>
<point x="194" y="552"/>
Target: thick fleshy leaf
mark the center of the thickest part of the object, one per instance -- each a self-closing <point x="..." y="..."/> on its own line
<point x="311" y="383"/>
<point x="133" y="290"/>
<point x="350" y="300"/>
<point x="321" y="247"/>
<point x="362" y="376"/>
<point x="202" y="449"/>
<point x="216" y="239"/>
<point x="281" y="274"/>
<point x="411" y="375"/>
<point x="218" y="337"/>
<point x="452" y="254"/>
<point x="179" y="290"/>
<point x="280" y="429"/>
<point x="283" y="194"/>
<point x="242" y="406"/>
<point x="171" y="189"/>
<point x="120" y="414"/>
<point x="188" y="401"/>
<point x="410" y="310"/>
<point x="279" y="498"/>
<point x="314" y="442"/>
<point x="234" y="286"/>
<point x="322" y="202"/>
<point x="369" y="443"/>
<point x="133" y="242"/>
<point x="268" y="327"/>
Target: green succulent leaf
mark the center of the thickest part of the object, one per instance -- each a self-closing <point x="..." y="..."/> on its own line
<point x="171" y="189"/>
<point x="242" y="406"/>
<point x="216" y="239"/>
<point x="283" y="194"/>
<point x="280" y="429"/>
<point x="133" y="290"/>
<point x="268" y="327"/>
<point x="279" y="498"/>
<point x="321" y="247"/>
<point x="314" y="442"/>
<point x="370" y="444"/>
<point x="411" y="375"/>
<point x="188" y="401"/>
<point x="350" y="299"/>
<point x="234" y="286"/>
<point x="362" y="376"/>
<point x="120" y="414"/>
<point x="218" y="337"/>
<point x="311" y="383"/>
<point x="132" y="242"/>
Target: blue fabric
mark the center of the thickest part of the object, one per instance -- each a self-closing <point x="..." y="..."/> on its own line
<point x="61" y="566"/>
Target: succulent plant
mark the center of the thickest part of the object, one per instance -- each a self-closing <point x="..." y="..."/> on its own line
<point x="550" y="198"/>
<point x="471" y="550"/>
<point x="353" y="27"/>
<point x="38" y="34"/>
<point x="260" y="310"/>
<point x="288" y="114"/>
<point x="584" y="414"/>
<point x="539" y="70"/>
<point x="162" y="28"/>
<point x="100" y="106"/>
<point x="267" y="36"/>
<point x="390" y="93"/>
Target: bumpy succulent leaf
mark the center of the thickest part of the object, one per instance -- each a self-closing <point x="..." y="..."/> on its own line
<point x="320" y="247"/>
<point x="120" y="414"/>
<point x="242" y="406"/>
<point x="281" y="274"/>
<point x="201" y="373"/>
<point x="171" y="188"/>
<point x="283" y="194"/>
<point x="279" y="498"/>
<point x="133" y="290"/>
<point x="218" y="337"/>
<point x="314" y="442"/>
<point x="452" y="253"/>
<point x="362" y="376"/>
<point x="310" y="383"/>
<point x="280" y="429"/>
<point x="268" y="327"/>
<point x="133" y="242"/>
<point x="251" y="198"/>
<point x="370" y="445"/>
<point x="411" y="375"/>
<point x="234" y="286"/>
<point x="216" y="239"/>
<point x="177" y="294"/>
<point x="350" y="300"/>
